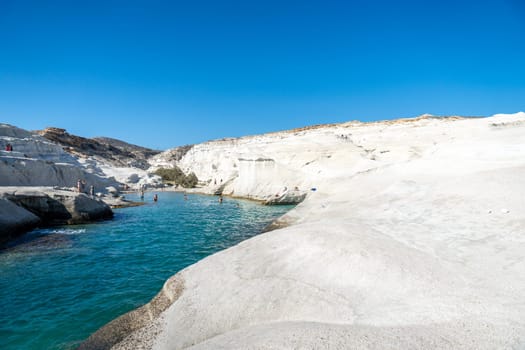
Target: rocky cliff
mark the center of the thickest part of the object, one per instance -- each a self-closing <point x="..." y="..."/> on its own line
<point x="36" y="161"/>
<point x="413" y="238"/>
<point x="32" y="160"/>
<point x="115" y="152"/>
<point x="265" y="166"/>
<point x="107" y="157"/>
<point x="59" y="159"/>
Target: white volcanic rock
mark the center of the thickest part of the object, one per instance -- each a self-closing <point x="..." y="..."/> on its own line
<point x="23" y="208"/>
<point x="262" y="166"/>
<point x="287" y="196"/>
<point x="16" y="171"/>
<point x="54" y="206"/>
<point x="29" y="145"/>
<point x="134" y="177"/>
<point x="107" y="157"/>
<point x="10" y="131"/>
<point x="15" y="220"/>
<point x="36" y="161"/>
<point x="414" y="238"/>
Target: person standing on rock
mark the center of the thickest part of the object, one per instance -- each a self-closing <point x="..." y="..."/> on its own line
<point x="92" y="191"/>
<point x="79" y="185"/>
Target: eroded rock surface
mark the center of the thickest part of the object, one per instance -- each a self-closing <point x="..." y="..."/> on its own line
<point x="413" y="238"/>
<point x="23" y="208"/>
<point x="15" y="220"/>
<point x="114" y="151"/>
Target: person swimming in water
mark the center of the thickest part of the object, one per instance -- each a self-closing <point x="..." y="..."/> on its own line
<point x="155" y="198"/>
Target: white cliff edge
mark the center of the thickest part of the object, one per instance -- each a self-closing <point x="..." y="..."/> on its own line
<point x="39" y="184"/>
<point x="413" y="238"/>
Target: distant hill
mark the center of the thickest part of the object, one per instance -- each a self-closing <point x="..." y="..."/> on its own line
<point x="116" y="152"/>
<point x="124" y="146"/>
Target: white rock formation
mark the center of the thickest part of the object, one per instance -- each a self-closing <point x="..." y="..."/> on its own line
<point x="413" y="239"/>
<point x="133" y="177"/>
<point x="15" y="220"/>
<point x="32" y="146"/>
<point x="23" y="208"/>
<point x="35" y="161"/>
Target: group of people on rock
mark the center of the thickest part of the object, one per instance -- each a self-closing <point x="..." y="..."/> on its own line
<point x="9" y="147"/>
<point x="81" y="185"/>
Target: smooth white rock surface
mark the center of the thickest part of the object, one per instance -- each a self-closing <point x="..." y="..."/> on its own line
<point x="414" y="238"/>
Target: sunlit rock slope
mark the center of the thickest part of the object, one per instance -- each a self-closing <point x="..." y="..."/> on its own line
<point x="36" y="161"/>
<point x="414" y="238"/>
<point x="107" y="157"/>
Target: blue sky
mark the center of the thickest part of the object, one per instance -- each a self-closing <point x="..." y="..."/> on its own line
<point x="167" y="73"/>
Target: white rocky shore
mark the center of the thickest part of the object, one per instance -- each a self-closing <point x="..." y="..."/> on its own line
<point x="24" y="208"/>
<point x="38" y="181"/>
<point x="414" y="238"/>
<point x="37" y="161"/>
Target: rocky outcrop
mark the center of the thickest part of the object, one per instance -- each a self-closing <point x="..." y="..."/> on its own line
<point x="55" y="207"/>
<point x="23" y="208"/>
<point x="140" y="154"/>
<point x="412" y="239"/>
<point x="108" y="158"/>
<point x="36" y="161"/>
<point x="27" y="145"/>
<point x="259" y="167"/>
<point x="286" y="197"/>
<point x="116" y="152"/>
<point x="19" y="171"/>
<point x="173" y="155"/>
<point x="15" y="220"/>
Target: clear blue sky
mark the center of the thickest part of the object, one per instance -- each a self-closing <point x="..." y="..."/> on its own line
<point x="167" y="73"/>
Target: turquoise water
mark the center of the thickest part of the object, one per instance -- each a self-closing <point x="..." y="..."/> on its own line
<point x="59" y="285"/>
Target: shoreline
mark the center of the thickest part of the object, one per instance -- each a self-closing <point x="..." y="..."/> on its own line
<point x="407" y="224"/>
<point x="24" y="208"/>
<point x="118" y="329"/>
<point x="399" y="235"/>
<point x="198" y="190"/>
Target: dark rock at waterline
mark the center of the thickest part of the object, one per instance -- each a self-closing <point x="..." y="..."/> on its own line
<point x="15" y="220"/>
<point x="24" y="208"/>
